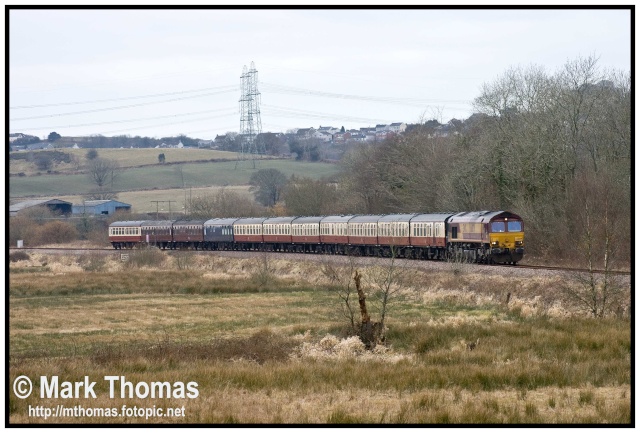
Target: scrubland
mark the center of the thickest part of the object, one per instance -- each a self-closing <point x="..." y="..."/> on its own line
<point x="266" y="340"/>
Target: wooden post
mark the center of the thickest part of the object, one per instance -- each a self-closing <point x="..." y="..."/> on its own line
<point x="361" y="299"/>
<point x="369" y="332"/>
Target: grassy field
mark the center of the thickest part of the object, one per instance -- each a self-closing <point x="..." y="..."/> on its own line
<point x="265" y="340"/>
<point x="141" y="201"/>
<point x="164" y="177"/>
<point x="125" y="158"/>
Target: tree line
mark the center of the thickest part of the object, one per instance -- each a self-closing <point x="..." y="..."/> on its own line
<point x="554" y="148"/>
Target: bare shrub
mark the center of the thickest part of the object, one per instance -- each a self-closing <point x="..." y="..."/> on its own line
<point x="261" y="347"/>
<point x="21" y="228"/>
<point x="18" y="256"/>
<point x="150" y="257"/>
<point x="92" y="262"/>
<point x="184" y="260"/>
<point x="56" y="232"/>
<point x="263" y="272"/>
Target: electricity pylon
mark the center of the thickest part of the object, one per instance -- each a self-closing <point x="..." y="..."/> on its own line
<point x="250" y="123"/>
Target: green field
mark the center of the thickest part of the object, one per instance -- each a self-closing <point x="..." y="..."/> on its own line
<point x="125" y="158"/>
<point x="164" y="177"/>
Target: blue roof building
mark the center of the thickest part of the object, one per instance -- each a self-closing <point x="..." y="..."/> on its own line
<point x="100" y="207"/>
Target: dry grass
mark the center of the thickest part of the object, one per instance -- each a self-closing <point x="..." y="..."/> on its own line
<point x="273" y="351"/>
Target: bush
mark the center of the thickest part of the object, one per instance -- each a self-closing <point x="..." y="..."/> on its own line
<point x="56" y="232"/>
<point x="18" y="256"/>
<point x="145" y="257"/>
<point x="91" y="154"/>
<point x="21" y="228"/>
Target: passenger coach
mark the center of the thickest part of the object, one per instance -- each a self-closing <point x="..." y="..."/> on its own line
<point x="125" y="234"/>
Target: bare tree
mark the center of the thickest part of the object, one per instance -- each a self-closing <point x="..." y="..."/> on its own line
<point x="100" y="194"/>
<point x="103" y="171"/>
<point x="598" y="291"/>
<point x="340" y="273"/>
<point x="267" y="185"/>
<point x="224" y="204"/>
<point x="308" y="197"/>
<point x="388" y="281"/>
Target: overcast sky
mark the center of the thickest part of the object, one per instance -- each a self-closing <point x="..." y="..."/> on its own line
<point x="158" y="73"/>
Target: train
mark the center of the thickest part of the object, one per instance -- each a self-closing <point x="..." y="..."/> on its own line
<point x="478" y="236"/>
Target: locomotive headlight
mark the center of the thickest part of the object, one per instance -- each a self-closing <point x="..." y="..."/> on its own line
<point x="494" y="243"/>
<point x="518" y="243"/>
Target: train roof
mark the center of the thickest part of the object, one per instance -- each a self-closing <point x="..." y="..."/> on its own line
<point x="365" y="219"/>
<point x="157" y="223"/>
<point x="188" y="222"/>
<point x="484" y="216"/>
<point x="307" y="220"/>
<point x="404" y="217"/>
<point x="337" y="218"/>
<point x="431" y="217"/>
<point x="258" y="220"/>
<point x="279" y="220"/>
<point x="220" y="221"/>
<point x="126" y="224"/>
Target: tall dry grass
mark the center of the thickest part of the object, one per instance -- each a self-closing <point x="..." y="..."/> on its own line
<point x="272" y="352"/>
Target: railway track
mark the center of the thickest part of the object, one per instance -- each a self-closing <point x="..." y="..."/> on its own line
<point x="60" y="250"/>
<point x="557" y="268"/>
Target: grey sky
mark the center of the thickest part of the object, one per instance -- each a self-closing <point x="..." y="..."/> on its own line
<point x="429" y="63"/>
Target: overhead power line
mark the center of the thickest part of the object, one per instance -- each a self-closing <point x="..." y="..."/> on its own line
<point x="97" y="101"/>
<point x="131" y="120"/>
<point x="171" y="123"/>
<point x="288" y="112"/>
<point x="277" y="88"/>
<point x="121" y="106"/>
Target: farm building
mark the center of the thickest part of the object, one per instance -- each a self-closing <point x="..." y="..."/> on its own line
<point x="58" y="206"/>
<point x="100" y="207"/>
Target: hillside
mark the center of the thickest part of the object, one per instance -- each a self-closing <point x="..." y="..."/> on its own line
<point x="140" y="170"/>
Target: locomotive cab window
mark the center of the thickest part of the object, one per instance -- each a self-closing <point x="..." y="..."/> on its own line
<point x="497" y="227"/>
<point x="514" y="226"/>
<point x="454" y="232"/>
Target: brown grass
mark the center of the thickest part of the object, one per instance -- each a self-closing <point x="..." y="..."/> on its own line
<point x="272" y="351"/>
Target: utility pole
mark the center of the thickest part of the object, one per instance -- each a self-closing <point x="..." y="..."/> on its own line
<point x="157" y="202"/>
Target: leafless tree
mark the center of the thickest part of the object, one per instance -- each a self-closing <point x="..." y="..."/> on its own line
<point x="340" y="272"/>
<point x="224" y="204"/>
<point x="598" y="291"/>
<point x="103" y="171"/>
<point x="308" y="197"/>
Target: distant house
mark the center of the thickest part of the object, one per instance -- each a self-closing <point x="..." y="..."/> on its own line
<point x="381" y="128"/>
<point x="14" y="137"/>
<point x="39" y="146"/>
<point x="304" y="133"/>
<point x="323" y="136"/>
<point x="328" y="129"/>
<point x="100" y="207"/>
<point x="58" y="206"/>
<point x="398" y="127"/>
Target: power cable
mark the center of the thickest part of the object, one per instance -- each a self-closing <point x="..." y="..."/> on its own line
<point x="128" y="120"/>
<point x="122" y="99"/>
<point x="119" y="107"/>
